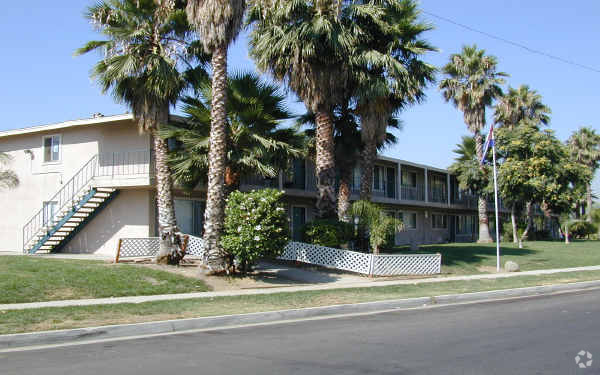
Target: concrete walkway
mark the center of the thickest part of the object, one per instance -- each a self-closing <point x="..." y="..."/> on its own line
<point x="359" y="284"/>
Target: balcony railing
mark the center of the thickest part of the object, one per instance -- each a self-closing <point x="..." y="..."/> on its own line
<point x="438" y="195"/>
<point x="412" y="193"/>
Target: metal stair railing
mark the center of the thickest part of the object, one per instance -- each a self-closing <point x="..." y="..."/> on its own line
<point x="111" y="164"/>
<point x="63" y="199"/>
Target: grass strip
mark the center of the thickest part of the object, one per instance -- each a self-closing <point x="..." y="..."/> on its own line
<point x="43" y="319"/>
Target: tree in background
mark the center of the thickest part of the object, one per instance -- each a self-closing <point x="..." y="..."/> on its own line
<point x="388" y="72"/>
<point x="537" y="168"/>
<point x="305" y="45"/>
<point x="374" y="221"/>
<point x="146" y="40"/>
<point x="218" y="23"/>
<point x="8" y="178"/>
<point x="257" y="144"/>
<point x="584" y="146"/>
<point x="512" y="108"/>
<point x="472" y="83"/>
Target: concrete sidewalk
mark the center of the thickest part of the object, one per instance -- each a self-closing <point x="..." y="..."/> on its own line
<point x="246" y="292"/>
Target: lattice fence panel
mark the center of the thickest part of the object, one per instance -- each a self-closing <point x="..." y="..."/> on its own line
<point x="139" y="247"/>
<point x="195" y="246"/>
<point x="409" y="264"/>
<point x="328" y="257"/>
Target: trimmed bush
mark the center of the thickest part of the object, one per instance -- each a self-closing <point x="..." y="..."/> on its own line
<point x="256" y="226"/>
<point x="329" y="233"/>
<point x="582" y="229"/>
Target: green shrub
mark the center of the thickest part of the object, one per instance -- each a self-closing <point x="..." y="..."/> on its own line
<point x="379" y="226"/>
<point x="582" y="229"/>
<point x="256" y="226"/>
<point x="329" y="233"/>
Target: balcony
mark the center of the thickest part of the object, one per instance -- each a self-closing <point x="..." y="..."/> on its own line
<point x="412" y="193"/>
<point x="438" y="195"/>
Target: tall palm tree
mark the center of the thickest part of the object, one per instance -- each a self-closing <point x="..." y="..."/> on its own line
<point x="218" y="22"/>
<point x="258" y="145"/>
<point x="304" y="44"/>
<point x="145" y="42"/>
<point x="8" y="178"/>
<point x="472" y="83"/>
<point x="584" y="146"/>
<point x="388" y="70"/>
<point x="511" y="110"/>
<point x="348" y="146"/>
<point x="519" y="104"/>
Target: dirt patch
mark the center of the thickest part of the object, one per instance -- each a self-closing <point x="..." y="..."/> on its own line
<point x="489" y="269"/>
<point x="153" y="281"/>
<point x="65" y="293"/>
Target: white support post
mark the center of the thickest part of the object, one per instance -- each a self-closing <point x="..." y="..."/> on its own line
<point x="426" y="185"/>
<point x="448" y="187"/>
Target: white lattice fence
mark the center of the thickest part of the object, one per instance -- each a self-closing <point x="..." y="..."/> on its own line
<point x="367" y="264"/>
<point x="407" y="264"/>
<point x="148" y="247"/>
<point x="327" y="257"/>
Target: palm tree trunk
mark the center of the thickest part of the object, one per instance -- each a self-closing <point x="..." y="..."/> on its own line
<point x="325" y="166"/>
<point x="484" y="227"/>
<point x="513" y="219"/>
<point x="215" y="197"/>
<point x="547" y="219"/>
<point x="369" y="154"/>
<point x="168" y="252"/>
<point x="344" y="194"/>
<point x="589" y="203"/>
<point x="529" y="228"/>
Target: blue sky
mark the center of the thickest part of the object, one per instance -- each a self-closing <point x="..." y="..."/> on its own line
<point x="43" y="83"/>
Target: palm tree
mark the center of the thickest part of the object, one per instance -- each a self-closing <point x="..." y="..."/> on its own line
<point x="145" y="42"/>
<point x="519" y="104"/>
<point x="304" y="44"/>
<point x="8" y="178"/>
<point x="218" y="22"/>
<point x="348" y="146"/>
<point x="514" y="107"/>
<point x="257" y="144"/>
<point x="388" y="71"/>
<point x="584" y="146"/>
<point x="471" y="84"/>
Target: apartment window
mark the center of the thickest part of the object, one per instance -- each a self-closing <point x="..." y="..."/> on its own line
<point x="409" y="179"/>
<point x="190" y="216"/>
<point x="439" y="221"/>
<point x="377" y="178"/>
<point x="465" y="225"/>
<point x="409" y="219"/>
<point x="52" y="148"/>
<point x="49" y="210"/>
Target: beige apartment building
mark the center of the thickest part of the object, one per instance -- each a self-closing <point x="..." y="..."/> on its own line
<point x="86" y="183"/>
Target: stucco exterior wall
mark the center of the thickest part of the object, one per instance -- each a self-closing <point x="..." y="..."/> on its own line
<point x="39" y="181"/>
<point x="128" y="215"/>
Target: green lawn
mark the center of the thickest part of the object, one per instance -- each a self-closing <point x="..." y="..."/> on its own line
<point x="18" y="321"/>
<point x="472" y="258"/>
<point x="29" y="279"/>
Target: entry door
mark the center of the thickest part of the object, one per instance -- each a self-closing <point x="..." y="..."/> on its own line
<point x="298" y="221"/>
<point x="452" y="227"/>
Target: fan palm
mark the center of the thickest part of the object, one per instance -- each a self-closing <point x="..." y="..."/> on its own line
<point x="584" y="146"/>
<point x="388" y="71"/>
<point x="257" y="145"/>
<point x="519" y="104"/>
<point x="472" y="83"/>
<point x="304" y="44"/>
<point x="218" y="22"/>
<point x="8" y="178"/>
<point x="145" y="42"/>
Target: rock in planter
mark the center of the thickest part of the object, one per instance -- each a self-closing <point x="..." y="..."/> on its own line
<point x="511" y="266"/>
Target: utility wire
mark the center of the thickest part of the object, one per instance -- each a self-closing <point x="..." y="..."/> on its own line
<point x="519" y="45"/>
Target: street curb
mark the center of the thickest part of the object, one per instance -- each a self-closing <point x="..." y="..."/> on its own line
<point x="91" y="334"/>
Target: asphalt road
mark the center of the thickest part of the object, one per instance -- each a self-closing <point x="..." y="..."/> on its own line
<point x="527" y="336"/>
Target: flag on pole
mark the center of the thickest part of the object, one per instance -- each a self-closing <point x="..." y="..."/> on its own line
<point x="489" y="142"/>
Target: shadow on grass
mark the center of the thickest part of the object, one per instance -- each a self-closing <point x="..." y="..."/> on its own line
<point x="455" y="254"/>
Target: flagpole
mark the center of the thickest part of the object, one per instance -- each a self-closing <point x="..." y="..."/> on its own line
<point x="496" y="199"/>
